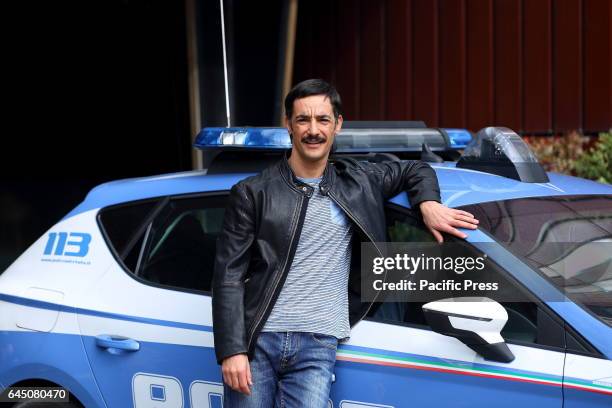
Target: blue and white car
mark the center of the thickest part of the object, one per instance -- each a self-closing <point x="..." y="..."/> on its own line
<point x="113" y="302"/>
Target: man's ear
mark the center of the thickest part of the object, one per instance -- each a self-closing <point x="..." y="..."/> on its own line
<point x="339" y="122"/>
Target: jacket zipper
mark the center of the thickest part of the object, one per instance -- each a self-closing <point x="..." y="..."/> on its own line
<point x="280" y="275"/>
<point x="352" y="217"/>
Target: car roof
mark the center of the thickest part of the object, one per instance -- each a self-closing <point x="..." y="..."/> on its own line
<point x="461" y="186"/>
<point x="458" y="187"/>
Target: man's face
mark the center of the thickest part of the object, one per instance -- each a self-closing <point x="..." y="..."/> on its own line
<point x="313" y="127"/>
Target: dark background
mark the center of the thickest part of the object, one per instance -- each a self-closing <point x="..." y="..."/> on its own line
<point x="98" y="90"/>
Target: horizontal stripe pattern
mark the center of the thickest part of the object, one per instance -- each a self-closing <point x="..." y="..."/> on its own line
<point x="70" y="309"/>
<point x="401" y="360"/>
<point x="314" y="297"/>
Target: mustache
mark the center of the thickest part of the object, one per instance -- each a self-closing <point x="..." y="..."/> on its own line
<point x="314" y="139"/>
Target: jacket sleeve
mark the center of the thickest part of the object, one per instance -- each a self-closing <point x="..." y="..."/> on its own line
<point x="231" y="265"/>
<point x="415" y="177"/>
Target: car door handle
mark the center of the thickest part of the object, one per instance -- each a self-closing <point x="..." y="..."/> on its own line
<point x="109" y="341"/>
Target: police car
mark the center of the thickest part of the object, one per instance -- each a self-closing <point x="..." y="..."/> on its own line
<point x="113" y="302"/>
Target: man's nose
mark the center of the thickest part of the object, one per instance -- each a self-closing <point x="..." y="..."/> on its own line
<point x="313" y="127"/>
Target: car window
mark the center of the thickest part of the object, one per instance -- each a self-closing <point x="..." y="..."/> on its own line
<point x="178" y="248"/>
<point x="405" y="226"/>
<point x="169" y="242"/>
<point x="567" y="239"/>
<point x="123" y="224"/>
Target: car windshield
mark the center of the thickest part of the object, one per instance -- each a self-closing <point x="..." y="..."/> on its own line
<point x="568" y="239"/>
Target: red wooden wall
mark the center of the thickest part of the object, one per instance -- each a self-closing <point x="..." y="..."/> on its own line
<point x="536" y="66"/>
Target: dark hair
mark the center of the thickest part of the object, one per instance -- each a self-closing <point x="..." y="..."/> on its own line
<point x="311" y="87"/>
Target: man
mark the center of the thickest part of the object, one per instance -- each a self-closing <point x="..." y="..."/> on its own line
<point x="286" y="282"/>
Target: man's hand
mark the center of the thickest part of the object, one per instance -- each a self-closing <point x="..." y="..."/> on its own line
<point x="237" y="373"/>
<point x="439" y="218"/>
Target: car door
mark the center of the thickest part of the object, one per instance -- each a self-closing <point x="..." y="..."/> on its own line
<point x="565" y="242"/>
<point x="394" y="359"/>
<point x="147" y="324"/>
<point x="587" y="381"/>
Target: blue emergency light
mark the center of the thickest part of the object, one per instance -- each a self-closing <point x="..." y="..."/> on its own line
<point x="243" y="137"/>
<point x="494" y="150"/>
<point x="458" y="138"/>
<point x="349" y="140"/>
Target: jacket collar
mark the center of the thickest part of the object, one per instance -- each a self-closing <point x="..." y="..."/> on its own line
<point x="329" y="175"/>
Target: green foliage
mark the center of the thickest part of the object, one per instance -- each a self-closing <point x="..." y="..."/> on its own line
<point x="569" y="154"/>
<point x="596" y="164"/>
<point x="558" y="153"/>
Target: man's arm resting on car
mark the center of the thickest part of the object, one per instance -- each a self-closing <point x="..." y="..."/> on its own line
<point x="419" y="180"/>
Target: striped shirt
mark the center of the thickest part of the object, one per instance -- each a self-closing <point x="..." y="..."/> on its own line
<point x="314" y="297"/>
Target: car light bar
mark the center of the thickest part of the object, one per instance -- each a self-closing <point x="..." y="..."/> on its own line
<point x="268" y="138"/>
<point x="349" y="140"/>
<point x="499" y="150"/>
<point x="459" y="138"/>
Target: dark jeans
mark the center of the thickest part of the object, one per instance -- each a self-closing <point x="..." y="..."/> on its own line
<point x="289" y="369"/>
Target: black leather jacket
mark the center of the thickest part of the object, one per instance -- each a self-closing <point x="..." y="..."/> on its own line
<point x="262" y="225"/>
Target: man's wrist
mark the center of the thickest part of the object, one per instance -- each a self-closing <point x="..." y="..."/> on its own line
<point x="234" y="355"/>
<point x="427" y="203"/>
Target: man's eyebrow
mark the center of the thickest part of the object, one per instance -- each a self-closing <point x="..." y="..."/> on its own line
<point x="307" y="116"/>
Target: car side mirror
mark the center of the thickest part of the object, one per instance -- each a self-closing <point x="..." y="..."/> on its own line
<point x="475" y="321"/>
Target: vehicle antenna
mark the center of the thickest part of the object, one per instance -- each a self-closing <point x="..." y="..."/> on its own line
<point x="227" y="104"/>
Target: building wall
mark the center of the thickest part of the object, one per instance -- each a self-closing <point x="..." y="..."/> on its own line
<point x="536" y="66"/>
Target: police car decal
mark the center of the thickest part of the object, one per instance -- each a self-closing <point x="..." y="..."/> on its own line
<point x="431" y="363"/>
